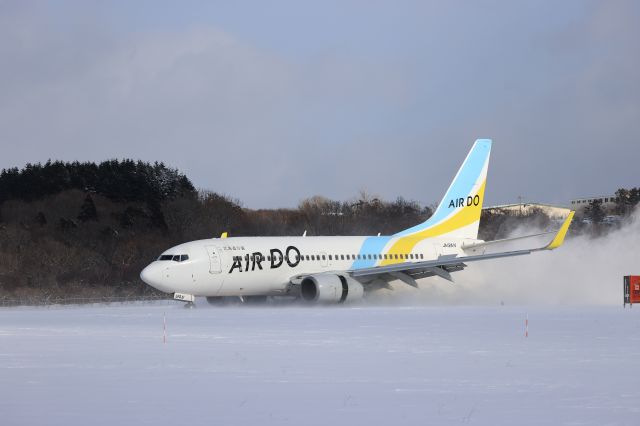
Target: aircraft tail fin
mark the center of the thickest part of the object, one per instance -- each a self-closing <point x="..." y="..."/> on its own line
<point x="458" y="214"/>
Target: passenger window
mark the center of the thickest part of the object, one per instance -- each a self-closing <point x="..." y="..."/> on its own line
<point x="306" y="257"/>
<point x="396" y="256"/>
<point x="313" y="257"/>
<point x="421" y="256"/>
<point x="325" y="257"/>
<point x="342" y="257"/>
<point x="368" y="256"/>
<point x="330" y="257"/>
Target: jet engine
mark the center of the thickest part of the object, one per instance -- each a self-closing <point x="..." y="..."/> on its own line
<point x="330" y="288"/>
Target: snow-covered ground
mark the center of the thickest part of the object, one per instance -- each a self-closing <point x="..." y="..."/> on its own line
<point x="358" y="365"/>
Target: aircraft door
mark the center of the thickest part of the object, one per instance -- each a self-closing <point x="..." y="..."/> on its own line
<point x="215" y="261"/>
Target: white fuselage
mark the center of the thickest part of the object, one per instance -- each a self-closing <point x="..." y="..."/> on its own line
<point x="341" y="269"/>
<point x="244" y="266"/>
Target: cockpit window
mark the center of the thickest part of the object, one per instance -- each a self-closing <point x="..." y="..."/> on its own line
<point x="174" y="257"/>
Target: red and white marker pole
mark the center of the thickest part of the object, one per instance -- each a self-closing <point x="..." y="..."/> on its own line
<point x="164" y="328"/>
<point x="526" y="325"/>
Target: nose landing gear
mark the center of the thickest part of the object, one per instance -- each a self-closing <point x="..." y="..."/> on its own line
<point x="188" y="298"/>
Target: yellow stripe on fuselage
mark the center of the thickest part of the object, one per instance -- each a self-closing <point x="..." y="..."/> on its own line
<point x="466" y="216"/>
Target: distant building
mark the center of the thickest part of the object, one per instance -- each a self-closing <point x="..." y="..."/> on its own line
<point x="581" y="203"/>
<point x="553" y="212"/>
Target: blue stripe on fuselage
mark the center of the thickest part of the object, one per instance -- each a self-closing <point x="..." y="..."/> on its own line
<point x="371" y="245"/>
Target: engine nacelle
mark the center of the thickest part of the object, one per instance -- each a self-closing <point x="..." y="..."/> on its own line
<point x="330" y="288"/>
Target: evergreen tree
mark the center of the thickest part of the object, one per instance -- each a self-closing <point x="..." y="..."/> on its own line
<point x="88" y="210"/>
<point x="125" y="180"/>
<point x="626" y="200"/>
<point x="594" y="211"/>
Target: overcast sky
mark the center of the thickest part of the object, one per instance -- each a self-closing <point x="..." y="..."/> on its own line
<point x="273" y="102"/>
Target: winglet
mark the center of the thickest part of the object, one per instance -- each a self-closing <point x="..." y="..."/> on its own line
<point x="224" y="235"/>
<point x="559" y="238"/>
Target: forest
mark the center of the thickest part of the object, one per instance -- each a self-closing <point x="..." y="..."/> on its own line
<point x="86" y="230"/>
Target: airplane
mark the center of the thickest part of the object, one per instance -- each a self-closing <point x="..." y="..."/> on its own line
<point x="339" y="269"/>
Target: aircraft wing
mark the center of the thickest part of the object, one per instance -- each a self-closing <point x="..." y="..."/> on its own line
<point x="444" y="265"/>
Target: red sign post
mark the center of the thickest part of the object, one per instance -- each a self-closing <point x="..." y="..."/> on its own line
<point x="631" y="290"/>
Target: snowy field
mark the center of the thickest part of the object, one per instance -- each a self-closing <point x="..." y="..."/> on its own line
<point x="421" y="365"/>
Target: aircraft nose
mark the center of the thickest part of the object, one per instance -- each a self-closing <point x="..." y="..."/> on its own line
<point x="152" y="275"/>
